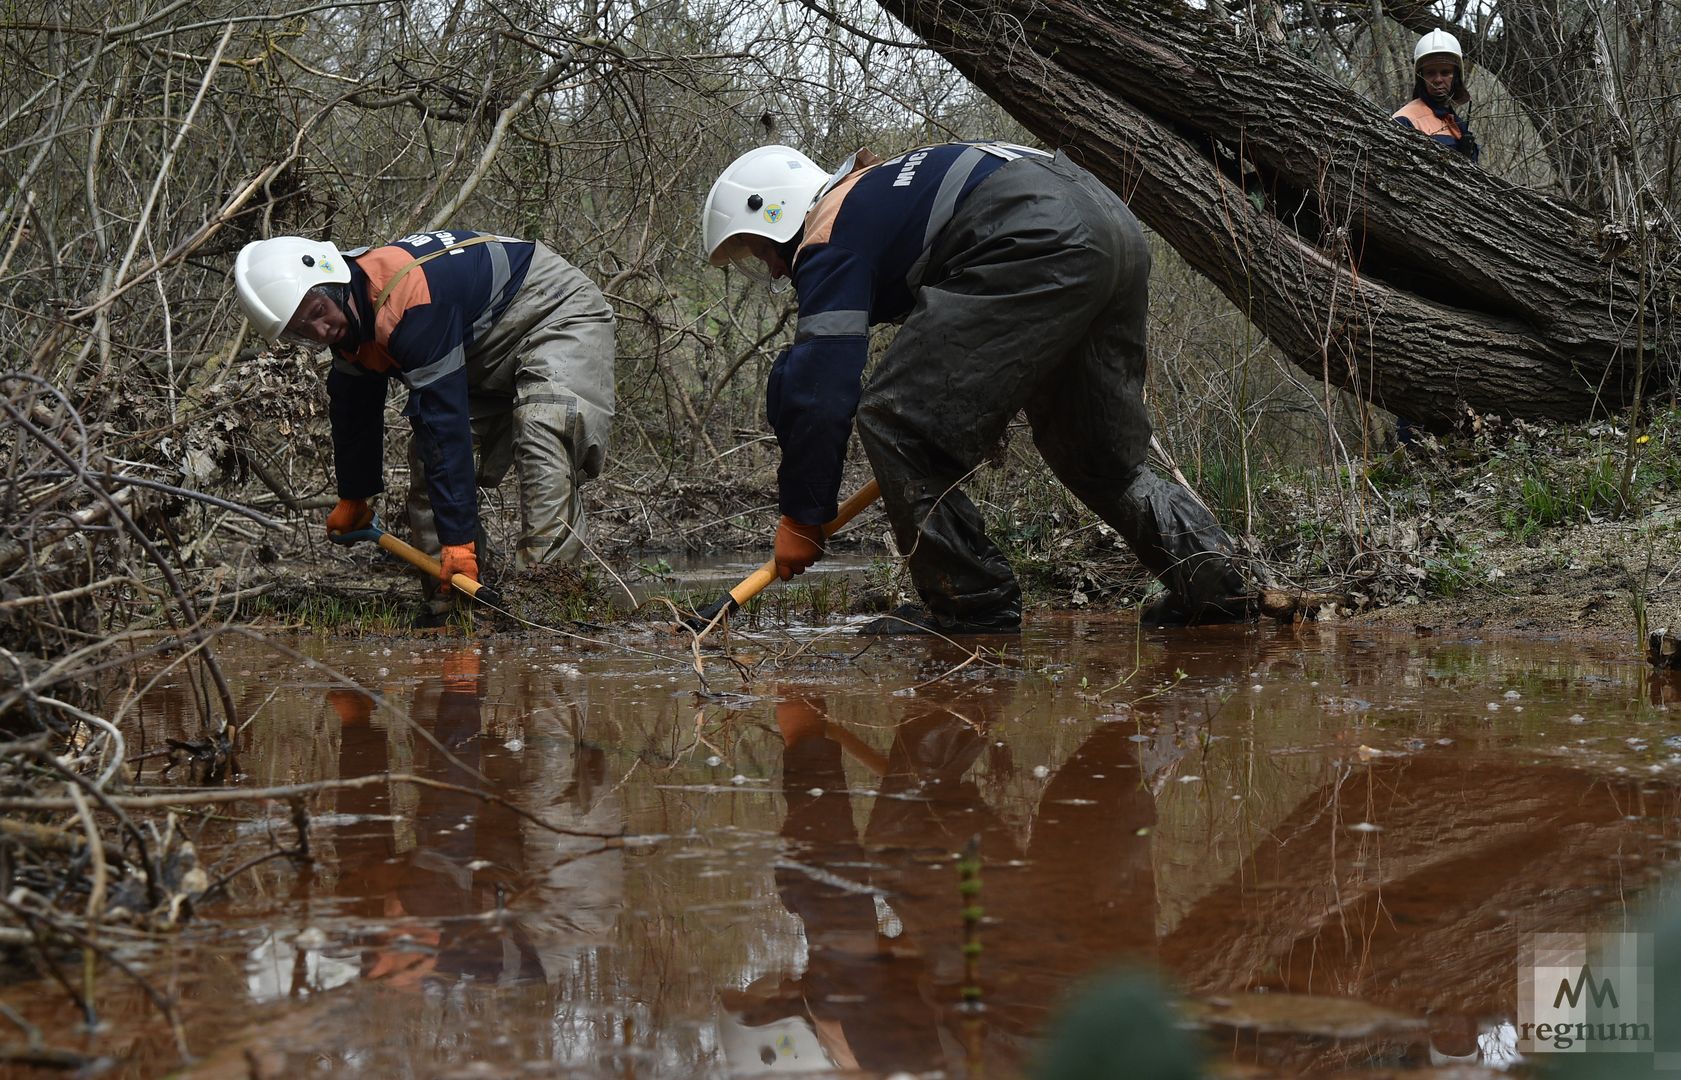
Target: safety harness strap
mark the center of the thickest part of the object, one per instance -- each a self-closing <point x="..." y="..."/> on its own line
<point x="385" y="293"/>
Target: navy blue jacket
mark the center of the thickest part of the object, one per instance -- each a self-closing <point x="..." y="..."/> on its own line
<point x="860" y="260"/>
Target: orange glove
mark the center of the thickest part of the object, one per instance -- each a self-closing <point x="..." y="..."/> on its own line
<point x="350" y="515"/>
<point x="797" y="547"/>
<point x="459" y="559"/>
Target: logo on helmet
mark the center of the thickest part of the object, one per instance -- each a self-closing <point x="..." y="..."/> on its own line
<point x="773" y="213"/>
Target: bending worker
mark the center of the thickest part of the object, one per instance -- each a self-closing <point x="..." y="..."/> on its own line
<point x="495" y="338"/>
<point x="1440" y="99"/>
<point x="1021" y="282"/>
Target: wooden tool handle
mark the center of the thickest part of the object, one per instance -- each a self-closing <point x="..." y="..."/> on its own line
<point x="755" y="583"/>
<point x="424" y="562"/>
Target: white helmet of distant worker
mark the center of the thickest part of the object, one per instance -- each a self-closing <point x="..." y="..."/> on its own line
<point x="1438" y="43"/>
<point x="272" y="277"/>
<point x="764" y="192"/>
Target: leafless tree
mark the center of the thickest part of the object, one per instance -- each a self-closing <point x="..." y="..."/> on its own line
<point x="1369" y="258"/>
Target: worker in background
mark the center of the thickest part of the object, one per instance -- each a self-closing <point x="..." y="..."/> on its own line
<point x="1021" y="282"/>
<point x="1439" y="108"/>
<point x="497" y="340"/>
<point x="1441" y="103"/>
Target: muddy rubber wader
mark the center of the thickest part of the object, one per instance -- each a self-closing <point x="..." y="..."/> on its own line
<point x="1036" y="293"/>
<point x="541" y="398"/>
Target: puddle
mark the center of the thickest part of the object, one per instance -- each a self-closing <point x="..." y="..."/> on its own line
<point x="1332" y="843"/>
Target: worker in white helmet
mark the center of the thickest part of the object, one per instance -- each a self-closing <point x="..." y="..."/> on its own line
<point x="1021" y="282"/>
<point x="1441" y="103"/>
<point x="499" y="341"/>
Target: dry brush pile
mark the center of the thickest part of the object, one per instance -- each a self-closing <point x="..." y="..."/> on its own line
<point x="92" y="586"/>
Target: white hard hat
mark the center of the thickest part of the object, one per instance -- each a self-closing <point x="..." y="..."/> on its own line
<point x="789" y="1045"/>
<point x="1437" y="43"/>
<point x="272" y="276"/>
<point x="764" y="192"/>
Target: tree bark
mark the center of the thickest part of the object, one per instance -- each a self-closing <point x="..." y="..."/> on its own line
<point x="1367" y="254"/>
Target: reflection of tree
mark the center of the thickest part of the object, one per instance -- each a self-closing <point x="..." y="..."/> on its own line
<point x="580" y="881"/>
<point x="880" y="986"/>
<point x="1472" y="849"/>
<point x="1427" y="914"/>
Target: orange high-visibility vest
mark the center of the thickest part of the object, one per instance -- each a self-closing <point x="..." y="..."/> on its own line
<point x="1420" y="115"/>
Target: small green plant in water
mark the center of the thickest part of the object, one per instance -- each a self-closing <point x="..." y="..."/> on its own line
<point x="969" y="890"/>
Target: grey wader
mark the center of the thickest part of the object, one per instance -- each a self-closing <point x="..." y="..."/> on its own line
<point x="541" y="399"/>
<point x="1036" y="296"/>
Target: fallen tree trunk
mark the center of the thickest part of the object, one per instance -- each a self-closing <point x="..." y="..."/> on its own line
<point x="1365" y="253"/>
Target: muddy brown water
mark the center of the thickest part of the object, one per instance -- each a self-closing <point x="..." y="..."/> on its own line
<point x="1355" y="828"/>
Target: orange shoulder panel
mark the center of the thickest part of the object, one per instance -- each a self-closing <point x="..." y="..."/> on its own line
<point x="820" y="221"/>
<point x="1419" y="113"/>
<point x="381" y="265"/>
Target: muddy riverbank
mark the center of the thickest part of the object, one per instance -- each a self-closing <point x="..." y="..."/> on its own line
<point x="1518" y="530"/>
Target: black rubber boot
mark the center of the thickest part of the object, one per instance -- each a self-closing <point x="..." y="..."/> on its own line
<point x="1170" y="609"/>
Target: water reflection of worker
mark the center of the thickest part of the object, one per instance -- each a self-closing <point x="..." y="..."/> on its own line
<point x="448" y="858"/>
<point x="1077" y="897"/>
<point x="580" y="878"/>
<point x="856" y="1004"/>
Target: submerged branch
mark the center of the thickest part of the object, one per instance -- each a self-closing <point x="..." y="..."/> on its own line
<point x="180" y="799"/>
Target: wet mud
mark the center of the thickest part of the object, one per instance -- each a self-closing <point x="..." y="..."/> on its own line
<point x="1331" y="842"/>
